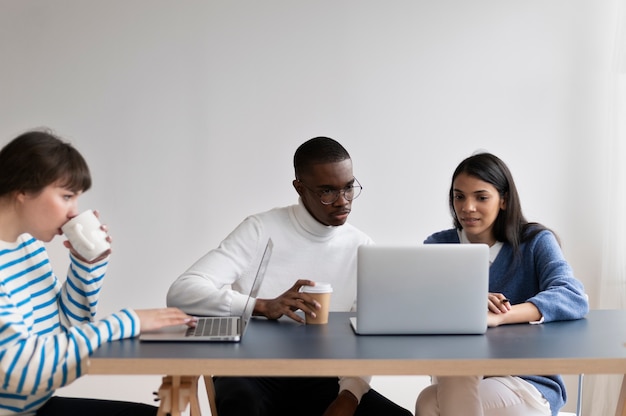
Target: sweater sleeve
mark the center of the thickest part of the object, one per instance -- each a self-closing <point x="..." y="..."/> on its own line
<point x="450" y="236"/>
<point x="561" y="296"/>
<point x="31" y="364"/>
<point x="358" y="386"/>
<point x="46" y="328"/>
<point x="79" y="294"/>
<point x="206" y="287"/>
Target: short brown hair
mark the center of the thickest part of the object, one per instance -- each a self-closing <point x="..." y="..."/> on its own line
<point x="36" y="159"/>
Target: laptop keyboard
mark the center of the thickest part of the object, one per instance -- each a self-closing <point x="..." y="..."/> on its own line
<point x="211" y="327"/>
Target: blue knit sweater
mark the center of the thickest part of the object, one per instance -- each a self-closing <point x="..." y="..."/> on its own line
<point x="540" y="275"/>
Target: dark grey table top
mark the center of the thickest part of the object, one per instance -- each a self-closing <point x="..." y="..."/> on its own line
<point x="595" y="344"/>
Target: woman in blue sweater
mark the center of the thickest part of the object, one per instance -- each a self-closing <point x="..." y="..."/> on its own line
<point x="529" y="282"/>
<point x="47" y="326"/>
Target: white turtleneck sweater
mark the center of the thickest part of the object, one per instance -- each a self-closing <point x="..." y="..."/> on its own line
<point x="218" y="283"/>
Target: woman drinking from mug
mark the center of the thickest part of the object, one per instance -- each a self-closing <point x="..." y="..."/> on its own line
<point x="47" y="328"/>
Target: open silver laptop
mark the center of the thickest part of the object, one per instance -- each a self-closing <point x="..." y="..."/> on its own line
<point x="422" y="289"/>
<point x="216" y="328"/>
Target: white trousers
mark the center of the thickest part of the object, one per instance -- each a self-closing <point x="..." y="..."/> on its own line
<point x="478" y="396"/>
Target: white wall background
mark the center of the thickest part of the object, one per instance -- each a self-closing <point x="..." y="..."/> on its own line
<point x="189" y="113"/>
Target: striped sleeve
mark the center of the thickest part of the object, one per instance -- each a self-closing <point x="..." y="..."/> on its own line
<point x="79" y="294"/>
<point x="47" y="329"/>
<point x="31" y="364"/>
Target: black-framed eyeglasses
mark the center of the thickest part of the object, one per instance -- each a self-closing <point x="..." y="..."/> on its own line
<point x="329" y="196"/>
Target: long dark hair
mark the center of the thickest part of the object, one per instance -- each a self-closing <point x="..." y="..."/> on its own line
<point x="36" y="159"/>
<point x="510" y="225"/>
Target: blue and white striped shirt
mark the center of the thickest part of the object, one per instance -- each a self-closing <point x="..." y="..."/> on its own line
<point x="47" y="329"/>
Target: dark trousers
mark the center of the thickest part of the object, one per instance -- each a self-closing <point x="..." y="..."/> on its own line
<point x="289" y="396"/>
<point x="64" y="406"/>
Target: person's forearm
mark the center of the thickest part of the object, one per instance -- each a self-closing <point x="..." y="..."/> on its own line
<point x="520" y="313"/>
<point x="199" y="296"/>
<point x="344" y="405"/>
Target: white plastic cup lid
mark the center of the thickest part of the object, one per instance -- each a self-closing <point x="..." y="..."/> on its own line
<point x="320" y="287"/>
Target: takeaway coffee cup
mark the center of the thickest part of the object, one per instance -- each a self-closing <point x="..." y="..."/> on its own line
<point x="321" y="292"/>
<point x="86" y="236"/>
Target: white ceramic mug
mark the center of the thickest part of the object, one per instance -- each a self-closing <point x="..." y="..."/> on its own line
<point x="84" y="233"/>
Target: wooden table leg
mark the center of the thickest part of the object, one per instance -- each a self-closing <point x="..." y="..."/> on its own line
<point x="621" y="402"/>
<point x="175" y="393"/>
<point x="165" y="396"/>
<point x="210" y="392"/>
<point x="190" y="384"/>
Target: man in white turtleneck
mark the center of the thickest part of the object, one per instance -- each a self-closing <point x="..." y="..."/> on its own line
<point x="312" y="241"/>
